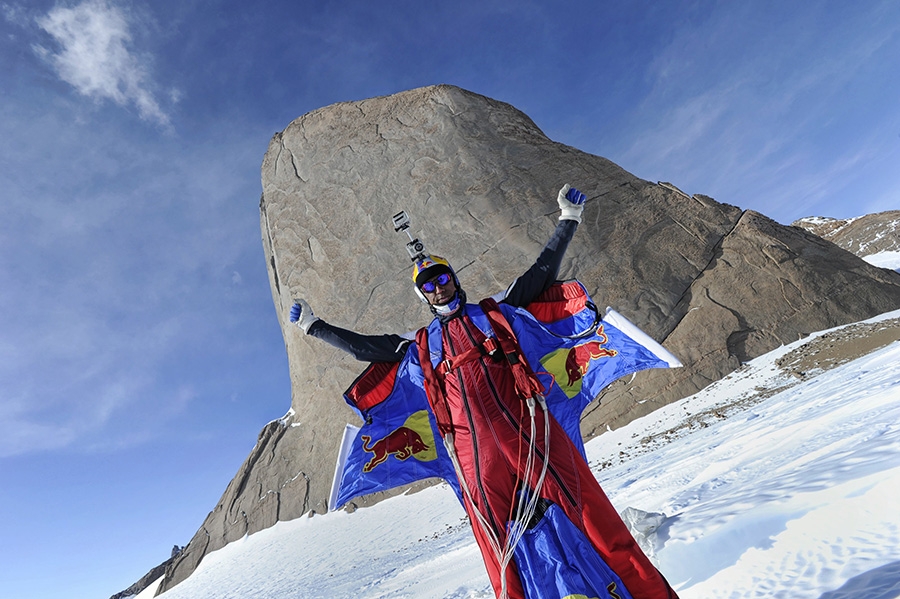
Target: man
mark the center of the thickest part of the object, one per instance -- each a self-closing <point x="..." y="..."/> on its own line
<point x="519" y="473"/>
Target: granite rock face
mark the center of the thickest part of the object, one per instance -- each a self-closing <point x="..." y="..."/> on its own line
<point x="766" y="285"/>
<point x="716" y="284"/>
<point x="146" y="580"/>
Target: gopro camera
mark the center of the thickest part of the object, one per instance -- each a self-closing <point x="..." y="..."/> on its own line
<point x="416" y="249"/>
<point x="401" y="221"/>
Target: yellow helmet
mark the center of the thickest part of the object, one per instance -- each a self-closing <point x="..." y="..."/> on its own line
<point x="429" y="267"/>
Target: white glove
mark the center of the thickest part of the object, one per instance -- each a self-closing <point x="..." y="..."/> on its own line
<point x="303" y="315"/>
<point x="571" y="202"/>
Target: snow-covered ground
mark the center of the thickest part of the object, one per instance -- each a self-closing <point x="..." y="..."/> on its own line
<point x="889" y="260"/>
<point x="780" y="480"/>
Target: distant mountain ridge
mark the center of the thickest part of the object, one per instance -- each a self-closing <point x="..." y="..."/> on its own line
<point x="864" y="235"/>
<point x="716" y="284"/>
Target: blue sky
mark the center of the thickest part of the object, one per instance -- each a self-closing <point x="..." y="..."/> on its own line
<point x="139" y="349"/>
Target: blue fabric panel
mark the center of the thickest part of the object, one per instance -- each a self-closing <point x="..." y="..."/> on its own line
<point x="556" y="561"/>
<point x="579" y="368"/>
<point x="398" y="443"/>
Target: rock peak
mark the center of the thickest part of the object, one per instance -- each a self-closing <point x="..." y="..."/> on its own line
<point x="717" y="284"/>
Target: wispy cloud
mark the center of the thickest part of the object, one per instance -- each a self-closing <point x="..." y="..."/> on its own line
<point x="780" y="117"/>
<point x="95" y="56"/>
<point x="116" y="281"/>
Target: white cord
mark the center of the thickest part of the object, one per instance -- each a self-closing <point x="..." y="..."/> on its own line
<point x="524" y="513"/>
<point x="479" y="517"/>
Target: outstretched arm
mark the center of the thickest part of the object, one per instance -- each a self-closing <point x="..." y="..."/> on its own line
<point x="545" y="269"/>
<point x="366" y="348"/>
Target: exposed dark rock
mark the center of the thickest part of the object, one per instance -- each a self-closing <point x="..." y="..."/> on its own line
<point x="148" y="578"/>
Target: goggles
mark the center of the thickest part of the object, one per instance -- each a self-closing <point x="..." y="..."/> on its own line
<point x="442" y="279"/>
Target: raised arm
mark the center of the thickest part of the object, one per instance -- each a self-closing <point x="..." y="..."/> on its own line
<point x="545" y="269"/>
<point x="366" y="348"/>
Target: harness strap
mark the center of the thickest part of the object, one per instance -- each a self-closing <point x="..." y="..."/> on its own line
<point x="486" y="348"/>
<point x="527" y="383"/>
<point x="433" y="386"/>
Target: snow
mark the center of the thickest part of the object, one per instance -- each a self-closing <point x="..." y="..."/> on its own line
<point x="890" y="260"/>
<point x="888" y="230"/>
<point x="771" y="486"/>
<point x="150" y="591"/>
<point x="816" y="220"/>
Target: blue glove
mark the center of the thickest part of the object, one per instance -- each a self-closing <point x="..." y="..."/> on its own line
<point x="302" y="315"/>
<point x="571" y="203"/>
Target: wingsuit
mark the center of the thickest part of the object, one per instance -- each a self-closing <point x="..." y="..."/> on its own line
<point x="543" y="524"/>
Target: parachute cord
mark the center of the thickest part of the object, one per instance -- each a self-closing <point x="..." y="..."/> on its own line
<point x="514" y="505"/>
<point x="525" y="509"/>
<point x="521" y="508"/>
<point x="529" y="500"/>
<point x="479" y="517"/>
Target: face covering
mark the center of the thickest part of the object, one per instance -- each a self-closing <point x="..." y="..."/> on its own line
<point x="448" y="308"/>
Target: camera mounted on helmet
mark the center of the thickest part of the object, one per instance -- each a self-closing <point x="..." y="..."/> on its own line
<point x="425" y="266"/>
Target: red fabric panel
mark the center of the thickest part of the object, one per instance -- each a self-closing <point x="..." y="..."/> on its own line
<point x="560" y="301"/>
<point x="374" y="385"/>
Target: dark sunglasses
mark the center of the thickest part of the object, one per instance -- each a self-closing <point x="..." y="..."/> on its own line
<point x="442" y="280"/>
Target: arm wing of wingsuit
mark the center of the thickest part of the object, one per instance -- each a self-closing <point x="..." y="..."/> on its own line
<point x="574" y="351"/>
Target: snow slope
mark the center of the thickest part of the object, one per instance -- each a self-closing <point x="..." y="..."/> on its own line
<point x="890" y="260"/>
<point x="771" y="485"/>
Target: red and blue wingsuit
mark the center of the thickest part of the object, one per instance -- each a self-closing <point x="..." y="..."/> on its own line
<point x="488" y="397"/>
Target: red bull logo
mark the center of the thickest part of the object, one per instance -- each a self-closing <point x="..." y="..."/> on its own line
<point x="414" y="439"/>
<point x="579" y="358"/>
<point x="570" y="365"/>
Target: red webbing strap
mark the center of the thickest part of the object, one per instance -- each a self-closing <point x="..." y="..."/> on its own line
<point x="433" y="388"/>
<point x="486" y="348"/>
<point x="527" y="383"/>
